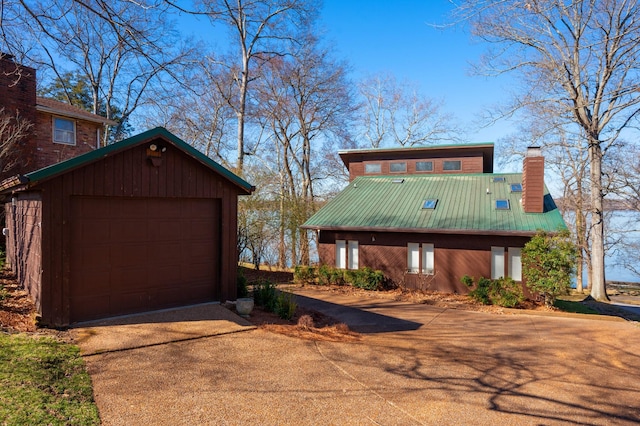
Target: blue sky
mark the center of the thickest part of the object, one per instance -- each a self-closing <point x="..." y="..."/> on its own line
<point x="400" y="38"/>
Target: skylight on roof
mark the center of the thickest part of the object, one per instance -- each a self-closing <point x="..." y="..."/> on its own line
<point x="498" y="179"/>
<point x="430" y="203"/>
<point x="516" y="187"/>
<point x="400" y="180"/>
<point x="502" y="205"/>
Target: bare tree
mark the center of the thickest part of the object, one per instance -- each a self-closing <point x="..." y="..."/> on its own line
<point x="581" y="57"/>
<point x="260" y="30"/>
<point x="201" y="116"/>
<point x="306" y="103"/>
<point x="397" y="114"/>
<point x="120" y="48"/>
<point x="13" y="129"/>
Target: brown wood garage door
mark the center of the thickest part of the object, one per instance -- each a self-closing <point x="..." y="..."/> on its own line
<point x="133" y="255"/>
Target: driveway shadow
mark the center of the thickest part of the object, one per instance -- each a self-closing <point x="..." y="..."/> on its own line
<point x="358" y="319"/>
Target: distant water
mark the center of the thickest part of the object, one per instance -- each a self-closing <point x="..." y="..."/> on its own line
<point x="625" y="224"/>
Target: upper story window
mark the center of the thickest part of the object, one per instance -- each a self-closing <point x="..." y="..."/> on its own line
<point x="452" y="165"/>
<point x="372" y="168"/>
<point x="64" y="131"/>
<point x="398" y="167"/>
<point x="424" y="166"/>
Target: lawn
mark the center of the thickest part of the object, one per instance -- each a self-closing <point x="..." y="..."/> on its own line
<point x="43" y="382"/>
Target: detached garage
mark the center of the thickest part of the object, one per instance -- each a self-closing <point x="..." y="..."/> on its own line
<point x="146" y="223"/>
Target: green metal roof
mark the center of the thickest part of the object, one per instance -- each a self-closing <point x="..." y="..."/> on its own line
<point x="466" y="204"/>
<point x="158" y="132"/>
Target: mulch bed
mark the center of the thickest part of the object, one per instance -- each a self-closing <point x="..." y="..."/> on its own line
<point x="18" y="313"/>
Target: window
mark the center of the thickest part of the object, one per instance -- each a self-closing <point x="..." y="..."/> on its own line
<point x="346" y="254"/>
<point x="353" y="255"/>
<point x="341" y="254"/>
<point x="497" y="262"/>
<point x="498" y="179"/>
<point x="398" y="167"/>
<point x="424" y="166"/>
<point x="427" y="259"/>
<point x="516" y="187"/>
<point x="452" y="165"/>
<point x="502" y="205"/>
<point x="414" y="257"/>
<point x="515" y="263"/>
<point x="430" y="203"/>
<point x="372" y="168"/>
<point x="64" y="131"/>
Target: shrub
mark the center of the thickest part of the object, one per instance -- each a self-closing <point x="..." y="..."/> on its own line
<point x="241" y="282"/>
<point x="265" y="295"/>
<point x="481" y="292"/>
<point x="328" y="275"/>
<point x="285" y="306"/>
<point x="365" y="278"/>
<point x="503" y="292"/>
<point x="506" y="292"/>
<point x="467" y="280"/>
<point x="548" y="263"/>
<point x="325" y="273"/>
<point x="306" y="322"/>
<point x="304" y="274"/>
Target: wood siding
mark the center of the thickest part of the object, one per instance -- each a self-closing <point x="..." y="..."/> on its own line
<point x="128" y="173"/>
<point x="454" y="256"/>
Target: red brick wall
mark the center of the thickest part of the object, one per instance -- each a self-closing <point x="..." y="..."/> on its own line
<point x="24" y="243"/>
<point x="46" y="152"/>
<point x="17" y="95"/>
<point x="533" y="185"/>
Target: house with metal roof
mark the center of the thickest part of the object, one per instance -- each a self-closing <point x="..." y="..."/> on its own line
<point x="427" y="216"/>
<point x="143" y="224"/>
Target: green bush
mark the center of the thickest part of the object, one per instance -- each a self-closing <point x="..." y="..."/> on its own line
<point x="503" y="292"/>
<point x="506" y="292"/>
<point x="303" y="274"/>
<point x="481" y="292"/>
<point x="265" y="295"/>
<point x="241" y="282"/>
<point x="365" y="278"/>
<point x="285" y="306"/>
<point x="3" y="293"/>
<point x="548" y="263"/>
<point x="467" y="280"/>
<point x="328" y="275"/>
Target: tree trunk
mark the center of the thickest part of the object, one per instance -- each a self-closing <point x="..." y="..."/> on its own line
<point x="580" y="236"/>
<point x="598" y="287"/>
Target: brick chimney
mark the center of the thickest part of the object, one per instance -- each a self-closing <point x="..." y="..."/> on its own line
<point x="533" y="181"/>
<point x="17" y="96"/>
<point x="17" y="88"/>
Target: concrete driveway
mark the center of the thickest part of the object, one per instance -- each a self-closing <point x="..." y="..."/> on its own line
<point x="414" y="364"/>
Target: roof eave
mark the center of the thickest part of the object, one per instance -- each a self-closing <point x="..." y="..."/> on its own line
<point x="55" y="111"/>
<point x="498" y="232"/>
<point x="158" y="132"/>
